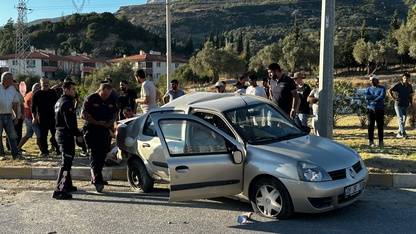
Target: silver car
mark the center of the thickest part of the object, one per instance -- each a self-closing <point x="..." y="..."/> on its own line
<point x="211" y="145"/>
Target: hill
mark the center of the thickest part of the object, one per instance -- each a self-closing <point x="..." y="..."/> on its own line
<point x="261" y="22"/>
<point x="142" y="27"/>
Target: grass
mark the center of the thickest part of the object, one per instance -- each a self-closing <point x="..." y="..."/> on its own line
<point x="398" y="155"/>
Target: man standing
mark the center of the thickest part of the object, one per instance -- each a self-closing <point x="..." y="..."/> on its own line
<point x="8" y="113"/>
<point x="43" y="114"/>
<point x="313" y="98"/>
<point x="303" y="91"/>
<point x="30" y="127"/>
<point x="239" y="88"/>
<point x="220" y="87"/>
<point x="20" y="115"/>
<point x="126" y="98"/>
<point x="403" y="98"/>
<point x="148" y="94"/>
<point x="174" y="93"/>
<point x="254" y="89"/>
<point x="99" y="112"/>
<point x="66" y="129"/>
<point x="266" y="87"/>
<point x="283" y="90"/>
<point x="375" y="95"/>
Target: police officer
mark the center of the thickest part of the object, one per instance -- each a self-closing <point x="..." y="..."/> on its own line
<point x="99" y="112"/>
<point x="66" y="130"/>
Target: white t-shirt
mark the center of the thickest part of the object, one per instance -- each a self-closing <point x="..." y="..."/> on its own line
<point x="7" y="97"/>
<point x="148" y="89"/>
<point x="258" y="91"/>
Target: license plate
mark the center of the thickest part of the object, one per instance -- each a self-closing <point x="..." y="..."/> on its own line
<point x="353" y="189"/>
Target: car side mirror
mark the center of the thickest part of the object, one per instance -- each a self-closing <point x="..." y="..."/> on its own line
<point x="237" y="157"/>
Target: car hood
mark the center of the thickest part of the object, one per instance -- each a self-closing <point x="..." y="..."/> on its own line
<point x="321" y="151"/>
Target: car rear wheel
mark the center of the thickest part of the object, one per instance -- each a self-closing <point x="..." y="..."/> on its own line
<point x="138" y="177"/>
<point x="270" y="199"/>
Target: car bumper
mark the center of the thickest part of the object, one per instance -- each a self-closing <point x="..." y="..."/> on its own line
<point x="316" y="197"/>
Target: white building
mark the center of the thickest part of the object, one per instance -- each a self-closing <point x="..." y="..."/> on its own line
<point x="46" y="63"/>
<point x="153" y="63"/>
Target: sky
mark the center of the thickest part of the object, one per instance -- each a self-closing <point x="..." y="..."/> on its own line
<point x="50" y="9"/>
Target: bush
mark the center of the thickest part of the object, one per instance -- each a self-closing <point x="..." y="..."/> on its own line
<point x="343" y="96"/>
<point x="412" y="113"/>
<point x="359" y="107"/>
<point x="389" y="112"/>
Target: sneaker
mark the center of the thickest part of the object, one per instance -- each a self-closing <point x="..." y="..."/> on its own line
<point x="44" y="155"/>
<point x="399" y="136"/>
<point x="99" y="187"/>
<point x="2" y="157"/>
<point x="371" y="145"/>
<point x="70" y="189"/>
<point x="381" y="144"/>
<point x="61" y="195"/>
<point x="83" y="154"/>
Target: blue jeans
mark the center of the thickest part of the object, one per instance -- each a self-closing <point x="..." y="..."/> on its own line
<point x="6" y="123"/>
<point x="401" y="113"/>
<point x="303" y="119"/>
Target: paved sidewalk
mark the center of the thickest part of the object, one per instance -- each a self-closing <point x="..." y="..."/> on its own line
<point x="47" y="169"/>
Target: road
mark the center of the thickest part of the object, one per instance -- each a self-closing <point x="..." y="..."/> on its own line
<point x="26" y="206"/>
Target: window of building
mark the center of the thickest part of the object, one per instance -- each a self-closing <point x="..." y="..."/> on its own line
<point x="158" y="64"/>
<point x="14" y="62"/>
<point x="176" y="65"/>
<point x="30" y="63"/>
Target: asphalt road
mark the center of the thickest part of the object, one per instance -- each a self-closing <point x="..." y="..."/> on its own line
<point x="26" y="206"/>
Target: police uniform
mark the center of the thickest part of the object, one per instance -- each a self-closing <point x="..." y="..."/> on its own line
<point x="66" y="130"/>
<point x="97" y="137"/>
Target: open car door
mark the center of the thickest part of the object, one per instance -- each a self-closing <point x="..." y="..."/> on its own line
<point x="203" y="161"/>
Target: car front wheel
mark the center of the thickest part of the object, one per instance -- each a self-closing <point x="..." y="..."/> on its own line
<point x="270" y="198"/>
<point x="138" y="177"/>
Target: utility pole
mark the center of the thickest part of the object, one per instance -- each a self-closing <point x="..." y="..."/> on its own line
<point x="22" y="37"/>
<point x="326" y="70"/>
<point x="168" y="46"/>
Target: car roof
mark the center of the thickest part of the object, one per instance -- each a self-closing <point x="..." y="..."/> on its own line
<point x="215" y="101"/>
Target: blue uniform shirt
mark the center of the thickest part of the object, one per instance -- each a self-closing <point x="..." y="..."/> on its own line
<point x="375" y="97"/>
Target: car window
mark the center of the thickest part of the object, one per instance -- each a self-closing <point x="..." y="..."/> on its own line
<point x="216" y="121"/>
<point x="188" y="137"/>
<point x="262" y="123"/>
<point x="149" y="127"/>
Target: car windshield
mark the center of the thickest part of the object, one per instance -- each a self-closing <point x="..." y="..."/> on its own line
<point x="260" y="124"/>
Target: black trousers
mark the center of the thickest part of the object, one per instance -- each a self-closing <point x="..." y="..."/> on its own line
<point x="18" y="128"/>
<point x="67" y="147"/>
<point x="47" y="124"/>
<point x="98" y="141"/>
<point x="376" y="116"/>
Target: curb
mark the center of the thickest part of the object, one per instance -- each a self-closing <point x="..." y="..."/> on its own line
<point x="399" y="180"/>
<point x="50" y="173"/>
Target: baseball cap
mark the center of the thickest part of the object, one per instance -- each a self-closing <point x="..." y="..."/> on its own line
<point x="218" y="84"/>
<point x="373" y="77"/>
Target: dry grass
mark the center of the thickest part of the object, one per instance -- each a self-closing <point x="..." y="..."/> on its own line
<point x="398" y="155"/>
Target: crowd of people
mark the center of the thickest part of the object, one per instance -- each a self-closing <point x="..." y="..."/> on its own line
<point x="52" y="111"/>
<point x="296" y="98"/>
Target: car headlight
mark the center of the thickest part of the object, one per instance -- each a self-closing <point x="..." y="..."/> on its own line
<point x="312" y="173"/>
